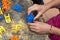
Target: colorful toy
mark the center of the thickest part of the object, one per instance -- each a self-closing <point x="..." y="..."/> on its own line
<point x="1" y="11"/>
<point x="0" y="5"/>
<point x="2" y="30"/>
<point x="17" y="27"/>
<point x="7" y="18"/>
<point x="1" y="18"/>
<point x="5" y="5"/>
<point x="17" y="7"/>
<point x="30" y="18"/>
<point x="14" y="38"/>
<point x="1" y="37"/>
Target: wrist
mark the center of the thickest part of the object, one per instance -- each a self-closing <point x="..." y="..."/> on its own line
<point x="50" y="4"/>
<point x="50" y="30"/>
<point x="47" y="6"/>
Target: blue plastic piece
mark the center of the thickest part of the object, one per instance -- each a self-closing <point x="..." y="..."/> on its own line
<point x="30" y="18"/>
<point x="17" y="7"/>
<point x="1" y="18"/>
<point x="0" y="5"/>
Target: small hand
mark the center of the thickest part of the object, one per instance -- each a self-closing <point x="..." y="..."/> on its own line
<point x="39" y="8"/>
<point x="39" y="27"/>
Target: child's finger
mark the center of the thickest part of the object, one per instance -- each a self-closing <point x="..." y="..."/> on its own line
<point x="38" y="15"/>
<point x="30" y="9"/>
<point x="32" y="27"/>
<point x="36" y="21"/>
<point x="31" y="24"/>
<point x="33" y="30"/>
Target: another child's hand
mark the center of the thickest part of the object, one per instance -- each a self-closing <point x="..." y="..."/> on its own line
<point x="40" y="8"/>
<point x="39" y="27"/>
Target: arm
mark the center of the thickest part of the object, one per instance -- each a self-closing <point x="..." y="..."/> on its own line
<point x="55" y="31"/>
<point x="43" y="8"/>
<point x="53" y="3"/>
<point x="42" y="28"/>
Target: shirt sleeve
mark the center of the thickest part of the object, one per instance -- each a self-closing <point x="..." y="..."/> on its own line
<point x="54" y="21"/>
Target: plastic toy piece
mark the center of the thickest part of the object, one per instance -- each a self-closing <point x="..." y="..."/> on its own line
<point x="1" y="11"/>
<point x="2" y="30"/>
<point x="1" y="18"/>
<point x="30" y="18"/>
<point x="1" y="36"/>
<point x="5" y="5"/>
<point x="17" y="27"/>
<point x="0" y="5"/>
<point x="17" y="8"/>
<point x="7" y="18"/>
<point x="14" y="38"/>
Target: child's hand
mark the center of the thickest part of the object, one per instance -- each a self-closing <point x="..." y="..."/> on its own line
<point x="39" y="27"/>
<point x="40" y="8"/>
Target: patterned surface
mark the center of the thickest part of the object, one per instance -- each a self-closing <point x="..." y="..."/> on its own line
<point x="19" y="18"/>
